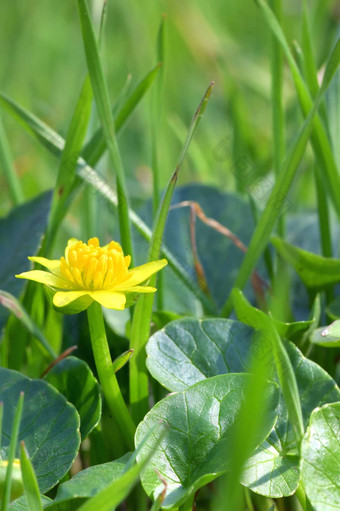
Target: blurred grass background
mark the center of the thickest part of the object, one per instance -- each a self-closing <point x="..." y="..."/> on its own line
<point x="43" y="66"/>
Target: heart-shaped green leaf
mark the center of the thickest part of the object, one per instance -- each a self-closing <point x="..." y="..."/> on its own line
<point x="201" y="423"/>
<point x="49" y="426"/>
<point x="74" y="379"/>
<point x="273" y="470"/>
<point x="320" y="458"/>
<point x="188" y="350"/>
<point x="20" y="235"/>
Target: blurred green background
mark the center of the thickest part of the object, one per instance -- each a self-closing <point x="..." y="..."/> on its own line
<point x="43" y="65"/>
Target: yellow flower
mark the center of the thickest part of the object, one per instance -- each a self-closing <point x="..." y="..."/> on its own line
<point x="90" y="273"/>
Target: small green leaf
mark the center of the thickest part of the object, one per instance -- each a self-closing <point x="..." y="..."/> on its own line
<point x="123" y="359"/>
<point x="314" y="270"/>
<point x="73" y="378"/>
<point x="327" y="336"/>
<point x="49" y="426"/>
<point x="320" y="455"/>
<point x="195" y="450"/>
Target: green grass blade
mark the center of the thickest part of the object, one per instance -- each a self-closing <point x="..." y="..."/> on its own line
<point x="279" y="192"/>
<point x="157" y="114"/>
<point x="6" y="164"/>
<point x="319" y="138"/>
<point x="143" y="310"/>
<point x="310" y="72"/>
<point x="11" y="452"/>
<point x="96" y="146"/>
<point x="68" y="163"/>
<point x="43" y="133"/>
<point x="109" y="498"/>
<point x="101" y="96"/>
<point x="29" y="480"/>
<point x="266" y="324"/>
<point x="277" y="95"/>
<point x="157" y="111"/>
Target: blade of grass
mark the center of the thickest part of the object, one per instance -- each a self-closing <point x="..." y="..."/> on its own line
<point x="143" y="310"/>
<point x="6" y="164"/>
<point x="29" y="480"/>
<point x="109" y="498"/>
<point x="157" y="113"/>
<point x="155" y="127"/>
<point x="278" y="127"/>
<point x="55" y="143"/>
<point x="101" y="96"/>
<point x="11" y="452"/>
<point x="320" y="142"/>
<point x="280" y="190"/>
<point x="68" y="164"/>
<point x="96" y="146"/>
<point x="310" y="72"/>
<point x="265" y="324"/>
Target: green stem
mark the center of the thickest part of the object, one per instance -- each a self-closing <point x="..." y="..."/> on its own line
<point x="107" y="377"/>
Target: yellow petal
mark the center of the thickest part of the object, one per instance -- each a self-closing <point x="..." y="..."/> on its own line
<point x="109" y="299"/>
<point x="46" y="278"/>
<point x="51" y="264"/>
<point x="63" y="298"/>
<point x="140" y="274"/>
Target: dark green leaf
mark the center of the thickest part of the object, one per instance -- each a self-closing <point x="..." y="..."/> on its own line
<point x="20" y="235"/>
<point x="187" y="351"/>
<point x="49" y="426"/>
<point x="73" y="378"/>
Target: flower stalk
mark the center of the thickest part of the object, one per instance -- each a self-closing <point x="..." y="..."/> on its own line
<point x="107" y="377"/>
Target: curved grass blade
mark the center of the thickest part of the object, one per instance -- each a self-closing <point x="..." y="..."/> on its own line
<point x="101" y="96"/>
<point x="96" y="146"/>
<point x="68" y="163"/>
<point x="29" y="480"/>
<point x="11" y="453"/>
<point x="109" y="498"/>
<point x="320" y="142"/>
<point x="278" y="196"/>
<point x="8" y="169"/>
<point x="142" y="314"/>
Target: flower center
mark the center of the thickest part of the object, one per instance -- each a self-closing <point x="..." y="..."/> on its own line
<point x="92" y="267"/>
